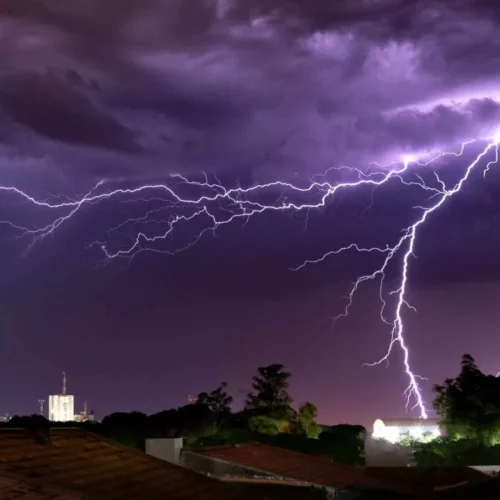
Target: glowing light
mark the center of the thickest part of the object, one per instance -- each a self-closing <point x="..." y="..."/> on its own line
<point x="61" y="408"/>
<point x="496" y="137"/>
<point x="179" y="202"/>
<point x="398" y="431"/>
<point x="406" y="159"/>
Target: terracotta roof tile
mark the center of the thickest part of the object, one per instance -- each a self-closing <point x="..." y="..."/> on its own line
<point x="299" y="466"/>
<point x="74" y="460"/>
<point x="484" y="491"/>
<point x="12" y="488"/>
<point x="431" y="478"/>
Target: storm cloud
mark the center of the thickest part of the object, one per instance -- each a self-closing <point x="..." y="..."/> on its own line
<point x="276" y="87"/>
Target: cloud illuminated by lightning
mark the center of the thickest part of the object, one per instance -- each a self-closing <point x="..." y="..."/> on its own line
<point x="182" y="201"/>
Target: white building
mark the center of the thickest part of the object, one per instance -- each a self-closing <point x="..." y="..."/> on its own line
<point x="62" y="408"/>
<point x="394" y="430"/>
<point x="85" y="416"/>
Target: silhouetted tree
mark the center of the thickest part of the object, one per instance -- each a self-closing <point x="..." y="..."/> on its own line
<point x="196" y="420"/>
<point x="305" y="422"/>
<point x="33" y="422"/>
<point x="130" y="429"/>
<point x="270" y="391"/>
<point x="271" y="426"/>
<point x="218" y="402"/>
<point x="344" y="443"/>
<point x="445" y="451"/>
<point x="469" y="405"/>
<point x="165" y="423"/>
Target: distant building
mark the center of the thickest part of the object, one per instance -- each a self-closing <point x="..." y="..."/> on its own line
<point x="62" y="406"/>
<point x="395" y="430"/>
<point x="84" y="416"/>
<point x="81" y="417"/>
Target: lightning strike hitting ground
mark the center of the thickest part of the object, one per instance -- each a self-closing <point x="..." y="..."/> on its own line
<point x="182" y="201"/>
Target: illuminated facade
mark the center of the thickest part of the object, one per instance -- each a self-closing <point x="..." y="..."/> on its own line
<point x="395" y="431"/>
<point x="62" y="408"/>
<point x="84" y="416"/>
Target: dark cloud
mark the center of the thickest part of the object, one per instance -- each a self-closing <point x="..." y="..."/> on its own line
<point x="183" y="102"/>
<point x="54" y="110"/>
<point x="228" y="81"/>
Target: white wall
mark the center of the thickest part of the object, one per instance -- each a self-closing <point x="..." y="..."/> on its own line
<point x="168" y="449"/>
<point x="491" y="470"/>
<point x="381" y="453"/>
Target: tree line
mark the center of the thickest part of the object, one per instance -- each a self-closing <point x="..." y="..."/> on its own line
<point x="468" y="407"/>
<point x="268" y="416"/>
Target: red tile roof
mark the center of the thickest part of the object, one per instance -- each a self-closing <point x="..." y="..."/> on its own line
<point x="72" y="460"/>
<point x="308" y="468"/>
<point x="12" y="488"/>
<point x="430" y="478"/>
<point x="485" y="491"/>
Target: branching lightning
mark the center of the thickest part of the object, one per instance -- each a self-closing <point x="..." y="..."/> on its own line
<point x="181" y="201"/>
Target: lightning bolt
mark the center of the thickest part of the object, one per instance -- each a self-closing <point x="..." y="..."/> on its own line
<point x="183" y="201"/>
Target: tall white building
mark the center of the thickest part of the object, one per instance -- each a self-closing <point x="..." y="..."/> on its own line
<point x="62" y="406"/>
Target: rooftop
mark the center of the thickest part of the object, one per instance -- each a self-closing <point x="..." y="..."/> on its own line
<point x="422" y="482"/>
<point x="75" y="461"/>
<point x="12" y="488"/>
<point x="307" y="468"/>
<point x="430" y="478"/>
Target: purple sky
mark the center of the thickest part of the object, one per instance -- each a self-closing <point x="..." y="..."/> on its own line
<point x="131" y="91"/>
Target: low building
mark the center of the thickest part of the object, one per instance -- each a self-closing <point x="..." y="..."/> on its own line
<point x="85" y="415"/>
<point x="397" y="430"/>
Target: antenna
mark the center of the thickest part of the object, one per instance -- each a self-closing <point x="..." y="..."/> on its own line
<point x="41" y="401"/>
<point x="64" y="383"/>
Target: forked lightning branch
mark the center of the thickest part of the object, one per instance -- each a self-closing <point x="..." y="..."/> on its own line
<point x="166" y="208"/>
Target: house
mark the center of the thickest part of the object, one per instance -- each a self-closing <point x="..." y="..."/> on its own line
<point x="258" y="463"/>
<point x="255" y="463"/>
<point x="70" y="464"/>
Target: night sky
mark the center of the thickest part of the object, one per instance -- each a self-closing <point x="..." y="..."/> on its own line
<point x="131" y="91"/>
